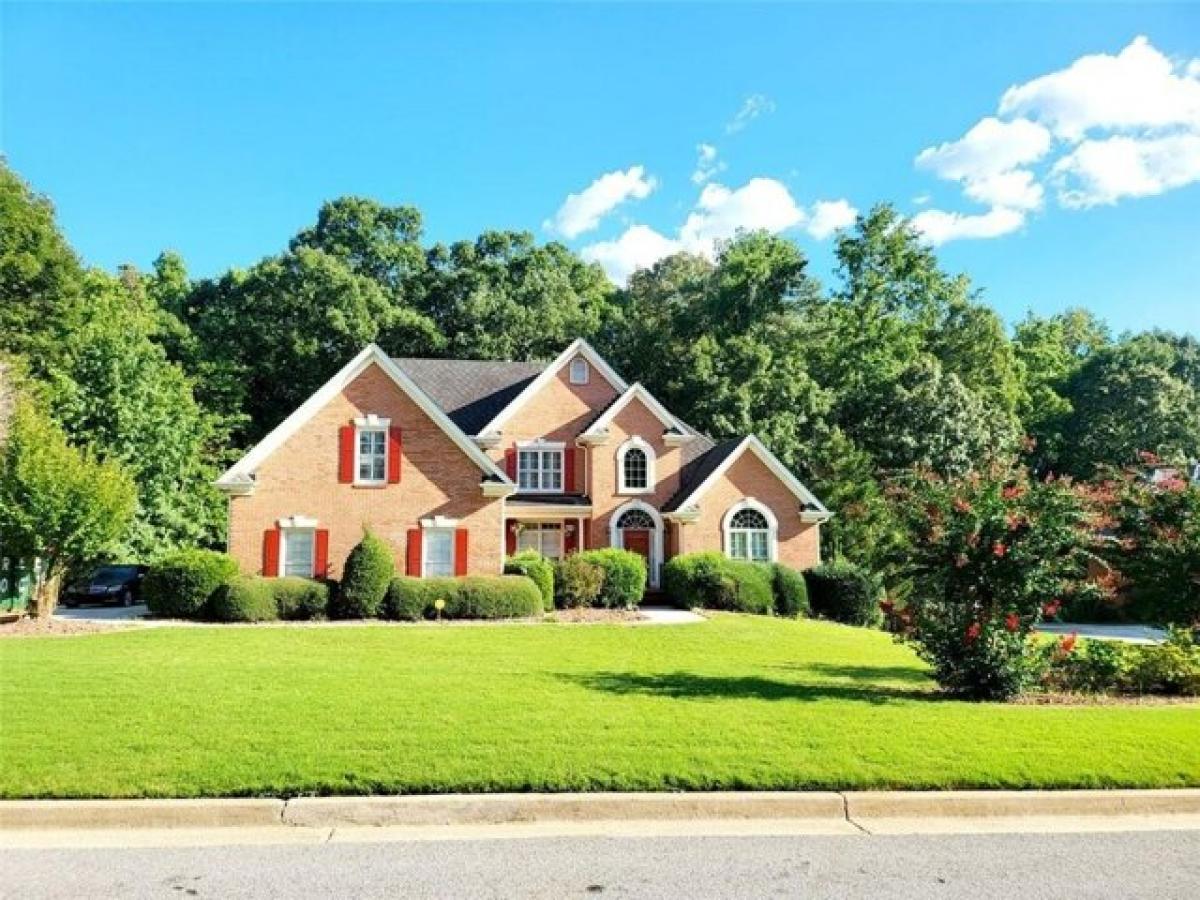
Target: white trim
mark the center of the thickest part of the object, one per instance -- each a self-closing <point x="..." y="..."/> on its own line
<point x="760" y="450"/>
<point x="539" y="447"/>
<point x="438" y="522"/>
<point x="598" y="430"/>
<point x="285" y="533"/>
<point x="359" y="430"/>
<point x="425" y="532"/>
<point x="767" y="514"/>
<point x="557" y="523"/>
<point x="636" y="442"/>
<point x="579" y="347"/>
<point x="546" y="511"/>
<point x="587" y="371"/>
<point x="656" y="537"/>
<point x="297" y="522"/>
<point x="234" y="478"/>
<point x="372" y="421"/>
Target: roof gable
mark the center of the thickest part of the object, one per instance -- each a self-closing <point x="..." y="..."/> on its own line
<point x="636" y="392"/>
<point x="240" y="473"/>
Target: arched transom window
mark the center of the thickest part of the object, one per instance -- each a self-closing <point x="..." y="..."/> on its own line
<point x="635" y="519"/>
<point x="635" y="462"/>
<point x="750" y="533"/>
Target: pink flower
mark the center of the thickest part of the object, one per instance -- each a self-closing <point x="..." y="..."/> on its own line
<point x="999" y="550"/>
<point x="1012" y="492"/>
<point x="961" y="505"/>
<point x="973" y="632"/>
<point x="1067" y="644"/>
<point x="1051" y="609"/>
<point x="1012" y="622"/>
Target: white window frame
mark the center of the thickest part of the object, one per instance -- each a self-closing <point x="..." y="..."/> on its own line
<point x="555" y="525"/>
<point x="727" y="530"/>
<point x="580" y="371"/>
<point x="540" y="448"/>
<point x="371" y="424"/>
<point x="622" y="451"/>
<point x="616" y="536"/>
<point x="426" y="533"/>
<point x="286" y="533"/>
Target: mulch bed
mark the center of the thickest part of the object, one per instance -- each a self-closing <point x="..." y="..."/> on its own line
<point x="570" y="616"/>
<point x="28" y="627"/>
<point x="1062" y="699"/>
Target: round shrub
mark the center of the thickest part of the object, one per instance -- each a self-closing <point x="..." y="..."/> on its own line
<point x="368" y="571"/>
<point x="409" y="599"/>
<point x="299" y="599"/>
<point x="247" y="598"/>
<point x="577" y="582"/>
<point x="843" y="592"/>
<point x="791" y="592"/>
<point x="180" y="585"/>
<point x="534" y="566"/>
<point x="624" y="581"/>
<point x="713" y="581"/>
<point x="490" y="597"/>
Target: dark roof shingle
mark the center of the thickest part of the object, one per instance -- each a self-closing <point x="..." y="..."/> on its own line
<point x="470" y="391"/>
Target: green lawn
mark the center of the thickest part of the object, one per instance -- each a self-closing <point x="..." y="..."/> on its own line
<point x="737" y="702"/>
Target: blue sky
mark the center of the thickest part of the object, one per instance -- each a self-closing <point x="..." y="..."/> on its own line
<point x="217" y="130"/>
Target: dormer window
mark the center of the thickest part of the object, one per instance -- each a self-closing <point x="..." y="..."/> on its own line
<point x="579" y="370"/>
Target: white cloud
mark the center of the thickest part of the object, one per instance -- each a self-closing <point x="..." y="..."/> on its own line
<point x="1017" y="189"/>
<point x="986" y="162"/>
<point x="582" y="212"/>
<point x="1138" y="88"/>
<point x="752" y="107"/>
<point x="639" y="247"/>
<point x="1103" y="171"/>
<point x="761" y="203"/>
<point x="828" y="216"/>
<point x="707" y="164"/>
<point x="940" y="226"/>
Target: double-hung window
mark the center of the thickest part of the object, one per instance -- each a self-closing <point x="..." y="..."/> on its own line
<point x="541" y="537"/>
<point x="438" y="544"/>
<point x="540" y="469"/>
<point x="750" y="536"/>
<point x="371" y="456"/>
<point x="299" y="552"/>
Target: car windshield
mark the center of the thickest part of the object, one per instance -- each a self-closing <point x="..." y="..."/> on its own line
<point x="113" y="574"/>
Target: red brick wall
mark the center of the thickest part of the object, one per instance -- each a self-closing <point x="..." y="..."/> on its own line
<point x="301" y="479"/>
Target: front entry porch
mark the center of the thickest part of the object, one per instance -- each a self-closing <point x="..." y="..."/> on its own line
<point x="549" y="526"/>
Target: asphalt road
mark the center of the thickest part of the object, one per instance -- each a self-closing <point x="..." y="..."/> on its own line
<point x="1161" y="865"/>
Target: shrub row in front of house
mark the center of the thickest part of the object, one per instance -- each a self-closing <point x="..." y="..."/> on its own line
<point x="608" y="578"/>
<point x="713" y="581"/>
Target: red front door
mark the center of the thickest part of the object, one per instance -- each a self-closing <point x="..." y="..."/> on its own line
<point x="638" y="540"/>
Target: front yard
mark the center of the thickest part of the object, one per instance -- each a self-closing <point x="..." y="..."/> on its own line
<point x="737" y="702"/>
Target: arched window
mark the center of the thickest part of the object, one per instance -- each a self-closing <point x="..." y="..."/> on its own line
<point x="635" y="464"/>
<point x="635" y="519"/>
<point x="750" y="531"/>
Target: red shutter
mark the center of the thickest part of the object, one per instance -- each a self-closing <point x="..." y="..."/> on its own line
<point x="414" y="552"/>
<point x="393" y="455"/>
<point x="581" y="470"/>
<point x="460" y="551"/>
<point x="586" y="540"/>
<point x="510" y="462"/>
<point x="571" y="537"/>
<point x="569" y="471"/>
<point x="346" y="454"/>
<point x="510" y="537"/>
<point x="271" y="552"/>
<point x="321" y="562"/>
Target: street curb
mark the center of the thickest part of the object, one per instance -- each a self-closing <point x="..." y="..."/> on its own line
<point x="854" y="807"/>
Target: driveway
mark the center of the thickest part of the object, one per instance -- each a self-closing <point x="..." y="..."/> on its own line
<point x="101" y="613"/>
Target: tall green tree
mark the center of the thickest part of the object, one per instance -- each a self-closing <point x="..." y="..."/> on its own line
<point x="380" y="242"/>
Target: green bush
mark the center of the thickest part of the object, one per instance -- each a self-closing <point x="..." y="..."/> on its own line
<point x="713" y="581"/>
<point x="369" y="570"/>
<point x="791" y="591"/>
<point x="246" y="598"/>
<point x="577" y="582"/>
<point x="1099" y="667"/>
<point x="624" y="581"/>
<point x="1172" y="667"/>
<point x="180" y="585"/>
<point x="534" y="566"/>
<point x="408" y="599"/>
<point x="843" y="592"/>
<point x="299" y="599"/>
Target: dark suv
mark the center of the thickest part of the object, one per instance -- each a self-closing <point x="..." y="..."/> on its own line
<point x="108" y="584"/>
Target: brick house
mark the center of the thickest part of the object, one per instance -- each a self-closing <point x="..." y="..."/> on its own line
<point x="456" y="463"/>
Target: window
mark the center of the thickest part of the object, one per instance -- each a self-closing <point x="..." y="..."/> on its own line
<point x="635" y="466"/>
<point x="438" y="545"/>
<point x="298" y="551"/>
<point x="542" y="537"/>
<point x="371" y="465"/>
<point x="635" y="519"/>
<point x="749" y="535"/>
<point x="579" y="370"/>
<point x="540" y="470"/>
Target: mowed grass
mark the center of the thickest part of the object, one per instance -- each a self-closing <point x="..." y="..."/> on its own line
<point x="737" y="702"/>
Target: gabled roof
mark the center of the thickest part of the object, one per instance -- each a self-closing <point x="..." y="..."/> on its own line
<point x="579" y="347"/>
<point x="240" y="474"/>
<point x="707" y="470"/>
<point x="635" y="392"/>
<point x="470" y="391"/>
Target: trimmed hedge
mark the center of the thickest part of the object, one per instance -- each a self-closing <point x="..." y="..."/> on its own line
<point x="246" y="598"/>
<point x="577" y="582"/>
<point x="369" y="570"/>
<point x="298" y="599"/>
<point x="471" y="597"/>
<point x="536" y="567"/>
<point x="845" y="593"/>
<point x="791" y="591"/>
<point x="624" y="581"/>
<point x="179" y="586"/>
<point x="713" y="581"/>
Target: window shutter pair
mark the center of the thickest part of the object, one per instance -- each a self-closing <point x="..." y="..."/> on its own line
<point x="412" y="565"/>
<point x="347" y="435"/>
<point x="271" y="543"/>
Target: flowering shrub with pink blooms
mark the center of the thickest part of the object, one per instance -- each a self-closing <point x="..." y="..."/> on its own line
<point x="990" y="555"/>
